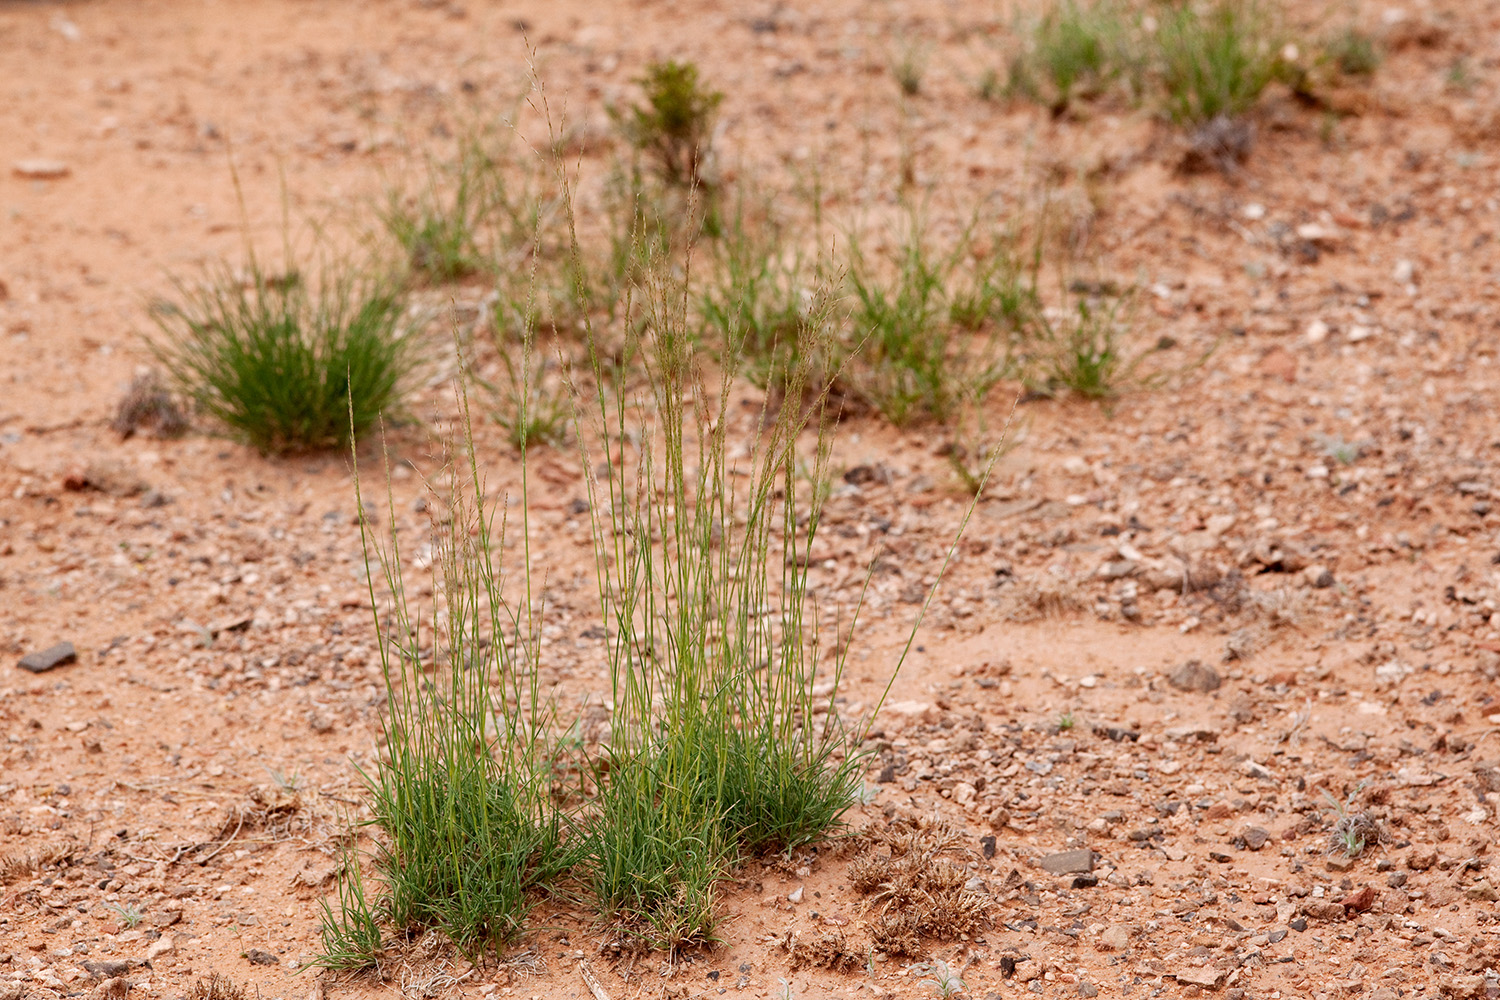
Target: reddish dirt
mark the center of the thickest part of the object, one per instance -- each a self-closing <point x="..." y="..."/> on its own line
<point x="1347" y="610"/>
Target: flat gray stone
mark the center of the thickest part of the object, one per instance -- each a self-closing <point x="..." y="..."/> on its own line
<point x="41" y="662"/>
<point x="1069" y="862"/>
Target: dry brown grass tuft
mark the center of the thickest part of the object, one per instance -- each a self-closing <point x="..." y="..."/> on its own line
<point x="919" y="892"/>
<point x="826" y="951"/>
<point x="216" y="987"/>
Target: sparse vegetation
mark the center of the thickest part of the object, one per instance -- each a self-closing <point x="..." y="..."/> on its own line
<point x="944" y="981"/>
<point x="288" y="362"/>
<point x="438" y="228"/>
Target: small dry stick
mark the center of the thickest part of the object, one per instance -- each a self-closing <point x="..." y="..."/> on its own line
<point x="593" y="982"/>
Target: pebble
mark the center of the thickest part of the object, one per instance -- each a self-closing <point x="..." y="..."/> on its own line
<point x="1204" y="977"/>
<point x="1421" y="857"/>
<point x="1194" y="676"/>
<point x="163" y="945"/>
<point x="795" y="896"/>
<point x="257" y="957"/>
<point x="47" y="659"/>
<point x="1114" y="938"/>
<point x="1069" y="862"/>
<point x="114" y="988"/>
<point x="1256" y="837"/>
<point x="1317" y="332"/>
<point x="41" y="170"/>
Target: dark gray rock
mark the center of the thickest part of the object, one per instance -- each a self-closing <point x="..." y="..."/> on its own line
<point x="41" y="662"/>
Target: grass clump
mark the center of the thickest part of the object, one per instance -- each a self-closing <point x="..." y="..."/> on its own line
<point x="1077" y="49"/>
<point x="463" y="790"/>
<point x="720" y="746"/>
<point x="674" y="128"/>
<point x="285" y="363"/>
<point x="1215" y="59"/>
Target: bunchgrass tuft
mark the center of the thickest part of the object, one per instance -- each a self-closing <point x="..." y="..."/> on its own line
<point x="1215" y="59"/>
<point x="439" y="228"/>
<point x="463" y="790"/>
<point x="720" y="746"/>
<point x="285" y="362"/>
<point x="1077" y="49"/>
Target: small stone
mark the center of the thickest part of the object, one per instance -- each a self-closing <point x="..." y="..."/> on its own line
<point x="1204" y="977"/>
<point x="1396" y="879"/>
<point x="987" y="846"/>
<point x="1340" y="863"/>
<point x="1088" y="990"/>
<point x="1463" y="987"/>
<point x="1299" y="924"/>
<point x="166" y="918"/>
<point x="1194" y="676"/>
<point x="1318" y="577"/>
<point x="1276" y="935"/>
<point x="1256" y="837"/>
<point x="108" y="968"/>
<point x="40" y="170"/>
<point x="1117" y="569"/>
<point x="1114" y="938"/>
<point x="899" y="716"/>
<point x="1085" y="881"/>
<point x="257" y="957"/>
<point x="795" y="896"/>
<point x="1317" y="332"/>
<point x="1404" y="273"/>
<point x="1069" y="862"/>
<point x="1359" y="900"/>
<point x="41" y="662"/>
<point x="1482" y="891"/>
<point x="1421" y="857"/>
<point x="111" y="989"/>
<point x="163" y="945"/>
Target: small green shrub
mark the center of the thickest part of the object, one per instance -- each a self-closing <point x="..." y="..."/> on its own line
<point x="128" y="915"/>
<point x="675" y="126"/>
<point x="285" y="363"/>
<point x="1215" y="60"/>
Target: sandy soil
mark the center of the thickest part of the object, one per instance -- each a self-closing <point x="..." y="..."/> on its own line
<point x="1186" y="637"/>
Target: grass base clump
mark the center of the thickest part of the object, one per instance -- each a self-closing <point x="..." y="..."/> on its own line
<point x="285" y="363"/>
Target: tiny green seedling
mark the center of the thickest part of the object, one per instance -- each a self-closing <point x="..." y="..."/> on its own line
<point x="945" y="981"/>
<point x="909" y="66"/>
<point x="130" y="915"/>
<point x="1065" y="721"/>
